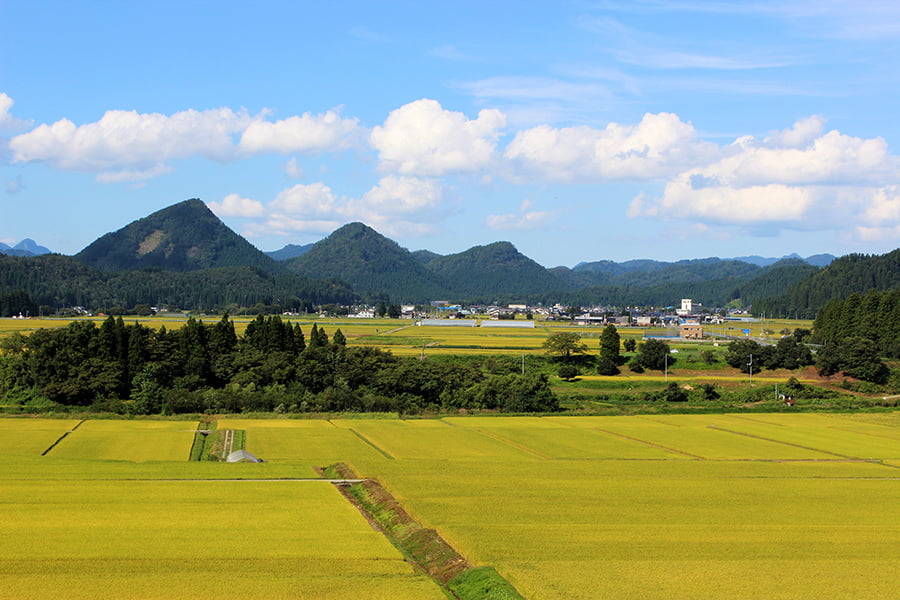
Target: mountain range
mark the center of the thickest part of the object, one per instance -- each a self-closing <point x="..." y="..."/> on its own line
<point x="27" y="247"/>
<point x="184" y="254"/>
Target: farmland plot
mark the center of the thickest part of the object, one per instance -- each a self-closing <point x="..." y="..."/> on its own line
<point x="25" y="437"/>
<point x="431" y="438"/>
<point x="677" y="529"/>
<point x="136" y="441"/>
<point x="316" y="442"/>
<point x="174" y="539"/>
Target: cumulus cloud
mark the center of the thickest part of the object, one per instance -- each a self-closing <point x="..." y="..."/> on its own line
<point x="124" y="139"/>
<point x="132" y="146"/>
<point x="396" y="206"/>
<point x="660" y="145"/>
<point x="422" y="138"/>
<point x="315" y="199"/>
<point x="233" y="205"/>
<point x="306" y="133"/>
<point x="798" y="178"/>
<point x="523" y="220"/>
<point x="7" y="121"/>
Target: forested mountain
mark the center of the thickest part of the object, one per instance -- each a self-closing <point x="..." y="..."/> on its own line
<point x="59" y="281"/>
<point x="183" y="237"/>
<point x="746" y="284"/>
<point x="289" y="251"/>
<point x="494" y="269"/>
<point x="425" y="256"/>
<point x="846" y="275"/>
<point x="816" y="260"/>
<point x="376" y="267"/>
<point x="185" y="256"/>
<point x="379" y="268"/>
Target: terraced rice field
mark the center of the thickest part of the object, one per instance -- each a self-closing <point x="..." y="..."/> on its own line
<point x="761" y="506"/>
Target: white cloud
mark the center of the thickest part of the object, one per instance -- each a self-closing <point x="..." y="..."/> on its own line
<point x="233" y="205"/>
<point x="396" y="206"/>
<point x="293" y="169"/>
<point x="660" y="145"/>
<point x="307" y="133"/>
<point x="123" y="139"/>
<point x="421" y="138"/>
<point x="799" y="135"/>
<point x="132" y="175"/>
<point x="7" y="121"/>
<point x="799" y="178"/>
<point x="308" y="200"/>
<point x="525" y="219"/>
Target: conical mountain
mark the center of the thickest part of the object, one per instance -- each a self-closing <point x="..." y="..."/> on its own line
<point x="375" y="266"/>
<point x="183" y="237"/>
<point x="498" y="268"/>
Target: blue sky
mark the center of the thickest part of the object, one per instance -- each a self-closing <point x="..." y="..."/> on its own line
<point x="579" y="131"/>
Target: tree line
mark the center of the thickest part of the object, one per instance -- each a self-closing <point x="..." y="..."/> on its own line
<point x="274" y="366"/>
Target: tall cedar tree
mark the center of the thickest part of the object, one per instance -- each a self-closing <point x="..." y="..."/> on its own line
<point x="608" y="363"/>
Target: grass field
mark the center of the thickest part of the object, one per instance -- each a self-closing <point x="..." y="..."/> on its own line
<point x="759" y="506"/>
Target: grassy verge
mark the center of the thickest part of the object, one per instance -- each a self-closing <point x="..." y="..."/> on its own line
<point x="198" y="448"/>
<point x="485" y="583"/>
<point x="422" y="547"/>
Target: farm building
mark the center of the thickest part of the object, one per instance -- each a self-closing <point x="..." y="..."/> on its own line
<point x="447" y="322"/>
<point x="691" y="331"/>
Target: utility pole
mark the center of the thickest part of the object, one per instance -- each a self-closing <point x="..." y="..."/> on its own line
<point x="750" y="364"/>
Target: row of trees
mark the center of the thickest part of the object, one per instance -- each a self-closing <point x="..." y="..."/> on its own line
<point x="568" y="348"/>
<point x="273" y="366"/>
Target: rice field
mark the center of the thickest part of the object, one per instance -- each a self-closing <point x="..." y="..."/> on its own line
<point x="136" y="441"/>
<point x="24" y="437"/>
<point x="683" y="507"/>
<point x="175" y="539"/>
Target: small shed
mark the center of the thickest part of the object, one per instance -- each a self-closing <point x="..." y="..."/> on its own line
<point x="242" y="456"/>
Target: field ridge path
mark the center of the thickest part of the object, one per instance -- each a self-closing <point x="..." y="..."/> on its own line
<point x="62" y="437"/>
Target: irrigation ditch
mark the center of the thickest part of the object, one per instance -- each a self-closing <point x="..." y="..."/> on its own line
<point x="424" y="548"/>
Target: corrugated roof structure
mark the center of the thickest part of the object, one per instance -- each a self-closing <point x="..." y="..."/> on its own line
<point x="448" y="322"/>
<point x="242" y="456"/>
